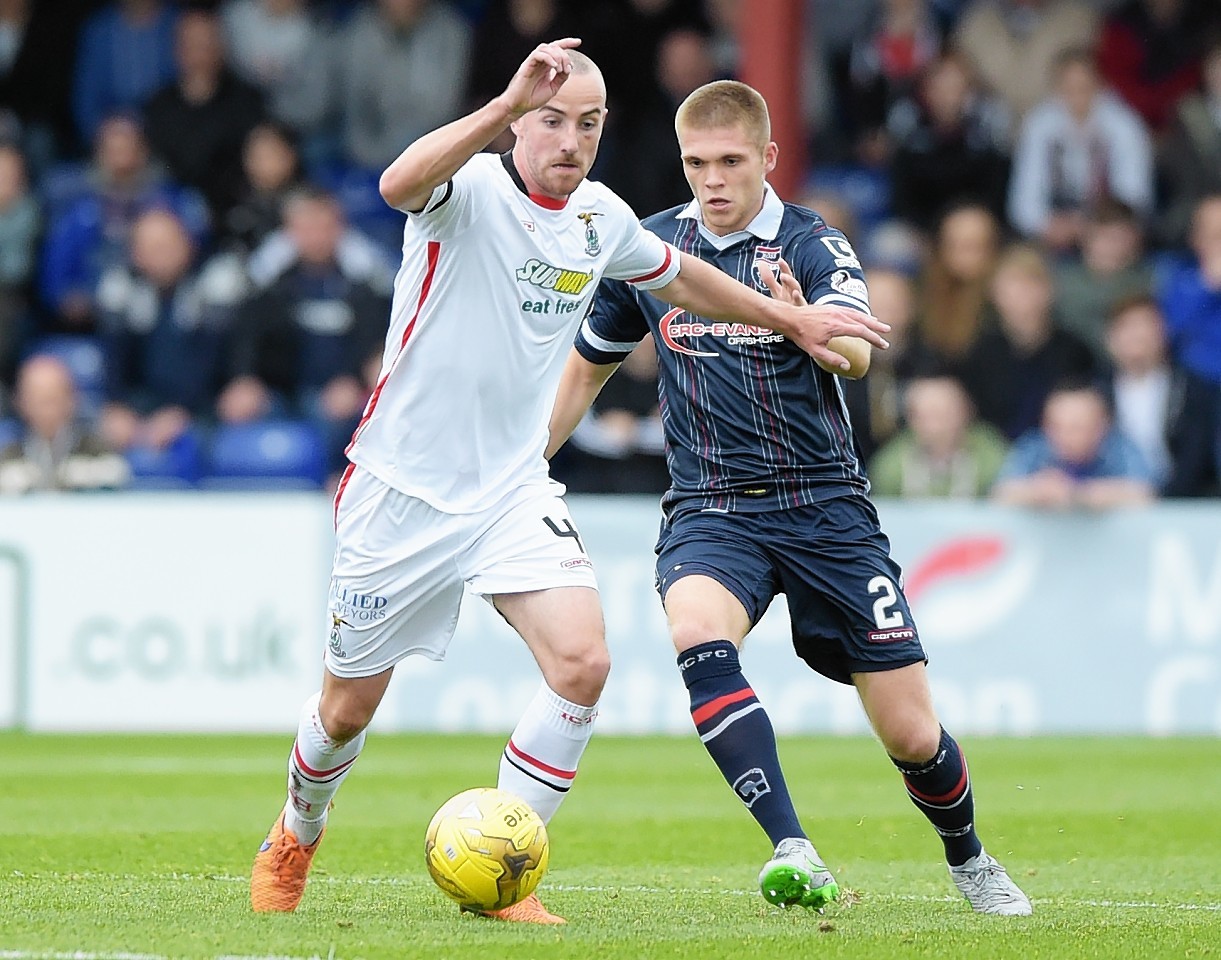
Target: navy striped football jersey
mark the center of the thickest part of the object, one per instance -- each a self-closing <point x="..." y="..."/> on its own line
<point x="752" y="423"/>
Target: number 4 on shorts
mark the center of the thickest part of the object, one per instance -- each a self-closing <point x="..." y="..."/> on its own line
<point x="568" y="530"/>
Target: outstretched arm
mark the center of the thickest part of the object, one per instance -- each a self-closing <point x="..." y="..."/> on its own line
<point x="410" y="180"/>
<point x="580" y="385"/>
<point x="702" y="289"/>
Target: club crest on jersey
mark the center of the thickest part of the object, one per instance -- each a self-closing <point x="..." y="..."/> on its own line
<point x="765" y="256"/>
<point x="547" y="277"/>
<point x="593" y="243"/>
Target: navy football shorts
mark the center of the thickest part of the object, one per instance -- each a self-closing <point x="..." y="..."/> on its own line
<point x="831" y="561"/>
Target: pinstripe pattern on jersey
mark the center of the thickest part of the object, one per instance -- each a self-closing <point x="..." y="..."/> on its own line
<point x="751" y="426"/>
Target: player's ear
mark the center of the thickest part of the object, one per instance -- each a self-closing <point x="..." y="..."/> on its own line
<point x="770" y="153"/>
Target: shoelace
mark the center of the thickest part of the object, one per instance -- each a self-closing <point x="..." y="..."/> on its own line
<point x="287" y="855"/>
<point x="980" y="882"/>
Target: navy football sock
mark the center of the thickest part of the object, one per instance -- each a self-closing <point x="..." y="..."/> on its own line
<point x="941" y="790"/>
<point x="736" y="731"/>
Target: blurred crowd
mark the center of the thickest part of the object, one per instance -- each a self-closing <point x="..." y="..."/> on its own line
<point x="196" y="266"/>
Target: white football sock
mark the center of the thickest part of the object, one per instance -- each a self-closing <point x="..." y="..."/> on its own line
<point x="541" y="757"/>
<point x="317" y="766"/>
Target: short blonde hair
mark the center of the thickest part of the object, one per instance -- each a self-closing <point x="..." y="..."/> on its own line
<point x="726" y="103"/>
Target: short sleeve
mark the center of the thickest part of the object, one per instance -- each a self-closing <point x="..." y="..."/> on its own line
<point x="642" y="259"/>
<point x="455" y="204"/>
<point x="829" y="271"/>
<point x="614" y="326"/>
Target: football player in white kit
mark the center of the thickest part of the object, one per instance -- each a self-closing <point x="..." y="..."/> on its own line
<point x="448" y="486"/>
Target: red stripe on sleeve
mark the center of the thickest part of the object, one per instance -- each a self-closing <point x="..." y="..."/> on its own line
<point x="665" y="265"/>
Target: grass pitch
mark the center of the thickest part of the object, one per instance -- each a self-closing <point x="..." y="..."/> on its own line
<point x="139" y="848"/>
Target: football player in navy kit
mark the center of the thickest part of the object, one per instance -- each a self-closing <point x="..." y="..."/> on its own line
<point x="768" y="496"/>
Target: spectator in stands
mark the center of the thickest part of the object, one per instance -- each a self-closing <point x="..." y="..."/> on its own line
<point x="1077" y="459"/>
<point x="197" y="124"/>
<point x="627" y="35"/>
<point x="954" y="286"/>
<point x="505" y="35"/>
<point x="403" y="73"/>
<point x="91" y="232"/>
<point x="1111" y="268"/>
<point x="1172" y="415"/>
<point x="1149" y="53"/>
<point x="1015" y="362"/>
<point x="951" y="142"/>
<point x="282" y="48"/>
<point x="271" y="171"/>
<point x="56" y="452"/>
<point x="35" y="80"/>
<point x="884" y="66"/>
<point x="163" y="323"/>
<point x="303" y="338"/>
<point x="1013" y="44"/>
<point x="642" y="167"/>
<point x="1190" y="296"/>
<point x="619" y="446"/>
<point x="1077" y="148"/>
<point x="875" y="401"/>
<point x="944" y="451"/>
<point x="1190" y="158"/>
<point x="19" y="227"/>
<point x="125" y="55"/>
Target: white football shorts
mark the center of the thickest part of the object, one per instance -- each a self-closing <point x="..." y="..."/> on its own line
<point x="401" y="566"/>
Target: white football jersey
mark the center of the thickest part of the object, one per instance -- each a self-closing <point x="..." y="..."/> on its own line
<point x="492" y="288"/>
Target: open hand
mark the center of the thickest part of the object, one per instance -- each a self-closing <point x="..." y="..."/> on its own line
<point x="818" y="325"/>
<point x="540" y="76"/>
<point x="784" y="286"/>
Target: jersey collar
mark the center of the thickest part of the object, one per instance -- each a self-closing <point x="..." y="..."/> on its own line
<point x="765" y="226"/>
<point x="549" y="203"/>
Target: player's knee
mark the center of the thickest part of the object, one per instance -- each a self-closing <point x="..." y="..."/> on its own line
<point x="911" y="742"/>
<point x="580" y="673"/>
<point x="344" y="718"/>
<point x="688" y="633"/>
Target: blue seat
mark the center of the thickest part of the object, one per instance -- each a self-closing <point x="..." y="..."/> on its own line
<point x="60" y="185"/>
<point x="272" y="453"/>
<point x="358" y="194"/>
<point x="10" y="432"/>
<point x="178" y="465"/>
<point x="867" y="192"/>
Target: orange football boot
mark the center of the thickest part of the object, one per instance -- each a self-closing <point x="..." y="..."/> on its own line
<point x="281" y="866"/>
<point x="530" y="910"/>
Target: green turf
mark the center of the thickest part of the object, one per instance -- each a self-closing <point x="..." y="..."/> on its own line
<point x="140" y="847"/>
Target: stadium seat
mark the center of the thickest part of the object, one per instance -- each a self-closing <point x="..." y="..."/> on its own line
<point x="85" y="357"/>
<point x="10" y="432"/>
<point x="358" y="193"/>
<point x="865" y="191"/>
<point x="177" y="466"/>
<point x="270" y="454"/>
<point x="60" y="185"/>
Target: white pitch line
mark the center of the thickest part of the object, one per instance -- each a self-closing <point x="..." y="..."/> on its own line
<point x="104" y="955"/>
<point x="624" y="888"/>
